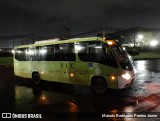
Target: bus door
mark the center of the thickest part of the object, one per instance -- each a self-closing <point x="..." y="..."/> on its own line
<point x="81" y="64"/>
<point x="64" y="67"/>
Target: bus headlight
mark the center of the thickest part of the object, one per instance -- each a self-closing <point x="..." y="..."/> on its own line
<point x="126" y="76"/>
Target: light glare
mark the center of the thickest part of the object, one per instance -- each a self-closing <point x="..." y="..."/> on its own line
<point x="153" y="43"/>
<point x="110" y="43"/>
<point x="113" y="77"/>
<point x="140" y="36"/>
<point x="126" y="76"/>
<point x="71" y="74"/>
<point x="13" y="51"/>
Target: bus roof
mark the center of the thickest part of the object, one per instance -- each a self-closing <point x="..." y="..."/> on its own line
<point x="56" y="41"/>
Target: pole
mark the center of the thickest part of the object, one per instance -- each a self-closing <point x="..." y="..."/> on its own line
<point x="134" y="40"/>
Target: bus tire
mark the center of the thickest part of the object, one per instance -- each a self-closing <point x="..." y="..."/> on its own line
<point x="99" y="85"/>
<point x="36" y="78"/>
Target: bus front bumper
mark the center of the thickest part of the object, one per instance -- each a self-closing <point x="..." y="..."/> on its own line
<point x="126" y="79"/>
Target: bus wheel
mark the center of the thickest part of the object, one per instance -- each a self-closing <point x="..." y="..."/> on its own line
<point x="36" y="78"/>
<point x="99" y="85"/>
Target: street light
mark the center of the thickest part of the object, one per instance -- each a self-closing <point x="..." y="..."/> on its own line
<point x="140" y="36"/>
<point x="137" y="37"/>
<point x="153" y="43"/>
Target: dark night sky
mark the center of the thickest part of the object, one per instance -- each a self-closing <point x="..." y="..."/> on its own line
<point x="48" y="16"/>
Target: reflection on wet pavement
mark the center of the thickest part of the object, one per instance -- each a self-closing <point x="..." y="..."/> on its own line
<point x="62" y="100"/>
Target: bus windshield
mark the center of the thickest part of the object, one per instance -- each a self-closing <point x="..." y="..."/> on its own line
<point x="124" y="59"/>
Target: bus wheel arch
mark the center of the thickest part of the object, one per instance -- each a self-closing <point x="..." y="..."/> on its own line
<point x="99" y="84"/>
<point x="36" y="78"/>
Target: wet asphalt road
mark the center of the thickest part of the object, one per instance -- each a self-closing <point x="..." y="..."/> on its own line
<point x="20" y="95"/>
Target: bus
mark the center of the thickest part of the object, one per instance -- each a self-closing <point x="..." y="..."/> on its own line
<point x="90" y="61"/>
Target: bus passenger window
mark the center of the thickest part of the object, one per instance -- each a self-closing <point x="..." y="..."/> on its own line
<point x="20" y="54"/>
<point x="60" y="51"/>
<point x="50" y="53"/>
<point x="31" y="54"/>
<point x="58" y="55"/>
<point x="42" y="53"/>
<point x="64" y="52"/>
<point x="70" y="53"/>
<point x="46" y="53"/>
<point x="96" y="53"/>
<point x="82" y="51"/>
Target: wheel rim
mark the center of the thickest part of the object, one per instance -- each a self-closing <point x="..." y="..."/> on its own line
<point x="36" y="78"/>
<point x="99" y="86"/>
